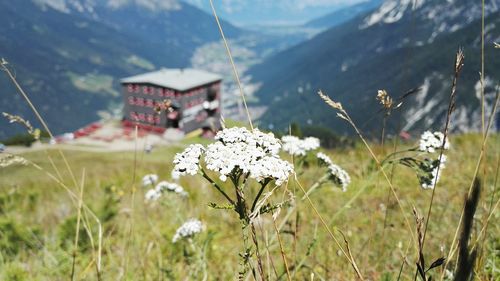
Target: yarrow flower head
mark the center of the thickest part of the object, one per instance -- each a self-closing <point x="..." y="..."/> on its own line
<point x="164" y="186"/>
<point x="239" y="151"/>
<point x="432" y="141"/>
<point x="188" y="230"/>
<point x="336" y="174"/>
<point x="266" y="142"/>
<point x="187" y="162"/>
<point x="149" y="179"/>
<point x="299" y="147"/>
<point x="339" y="176"/>
<point x="152" y="195"/>
<point x="430" y="172"/>
<point x="324" y="159"/>
<point x="271" y="167"/>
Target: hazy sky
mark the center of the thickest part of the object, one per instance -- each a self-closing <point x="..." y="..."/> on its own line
<point x="244" y="12"/>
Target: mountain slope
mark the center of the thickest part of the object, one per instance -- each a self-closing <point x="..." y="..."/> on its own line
<point x="342" y="15"/>
<point x="391" y="49"/>
<point x="69" y="58"/>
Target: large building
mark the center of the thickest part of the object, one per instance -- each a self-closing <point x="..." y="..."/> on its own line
<point x="187" y="99"/>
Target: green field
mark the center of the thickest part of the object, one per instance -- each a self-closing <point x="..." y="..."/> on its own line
<point x="39" y="218"/>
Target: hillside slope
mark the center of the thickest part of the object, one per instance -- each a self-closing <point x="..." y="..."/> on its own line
<point x="69" y="58"/>
<point x="394" y="48"/>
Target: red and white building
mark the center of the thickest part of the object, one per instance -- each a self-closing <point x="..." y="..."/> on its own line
<point x="187" y="99"/>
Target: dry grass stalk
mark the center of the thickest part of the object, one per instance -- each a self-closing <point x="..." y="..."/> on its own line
<point x="476" y="171"/>
<point x="459" y="62"/>
<point x="282" y="250"/>
<point x="230" y="56"/>
<point x="344" y="115"/>
<point x="348" y="257"/>
<point x="18" y="119"/>
<point x="97" y="256"/>
<point x="77" y="231"/>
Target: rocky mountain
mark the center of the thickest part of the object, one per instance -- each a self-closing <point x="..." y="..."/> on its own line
<point x="397" y="47"/>
<point x="69" y="54"/>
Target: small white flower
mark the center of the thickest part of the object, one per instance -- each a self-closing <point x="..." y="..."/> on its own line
<point x="150" y="179"/>
<point x="175" y="175"/>
<point x="324" y="159"/>
<point x="170" y="187"/>
<point x="297" y="147"/>
<point x="267" y="142"/>
<point x="430" y="142"/>
<point x="187" y="162"/>
<point x="432" y="177"/>
<point x="188" y="229"/>
<point x="152" y="195"/>
<point x="271" y="167"/>
<point x="339" y="176"/>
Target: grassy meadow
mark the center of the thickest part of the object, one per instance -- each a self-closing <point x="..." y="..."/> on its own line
<point x="133" y="241"/>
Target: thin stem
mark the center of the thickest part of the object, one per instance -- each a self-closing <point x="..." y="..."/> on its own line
<point x="351" y="260"/>
<point x="282" y="251"/>
<point x="235" y="71"/>
<point x="3" y="63"/>
<point x="214" y="184"/>
<point x="77" y="232"/>
<point x="259" y="194"/>
<point x="379" y="165"/>
<point x="458" y="67"/>
<point x="396" y="153"/>
<point x="478" y="164"/>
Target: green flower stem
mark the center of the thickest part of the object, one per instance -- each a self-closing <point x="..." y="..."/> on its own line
<point x="214" y="184"/>
<point x="264" y="184"/>
<point x="388" y="157"/>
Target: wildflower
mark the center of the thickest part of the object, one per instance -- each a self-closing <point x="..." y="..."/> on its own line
<point x="152" y="195"/>
<point x="186" y="163"/>
<point x="266" y="141"/>
<point x="430" y="142"/>
<point x="241" y="151"/>
<point x="188" y="230"/>
<point x="171" y="187"/>
<point x="297" y="147"/>
<point x="430" y="175"/>
<point x="271" y="167"/>
<point x="339" y="176"/>
<point x="150" y="179"/>
<point x="155" y="194"/>
<point x="237" y="151"/>
<point x="175" y="175"/>
<point x="324" y="159"/>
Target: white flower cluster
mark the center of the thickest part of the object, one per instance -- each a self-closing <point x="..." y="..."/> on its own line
<point x="155" y="193"/>
<point x="186" y="163"/>
<point x="432" y="141"/>
<point x="431" y="178"/>
<point x="297" y="147"/>
<point x="271" y="167"/>
<point x="337" y="174"/>
<point x="188" y="229"/>
<point x="238" y="150"/>
<point x="324" y="159"/>
<point x="150" y="179"/>
<point x="266" y="142"/>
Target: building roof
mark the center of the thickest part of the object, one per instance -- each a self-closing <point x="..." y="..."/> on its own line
<point x="174" y="78"/>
